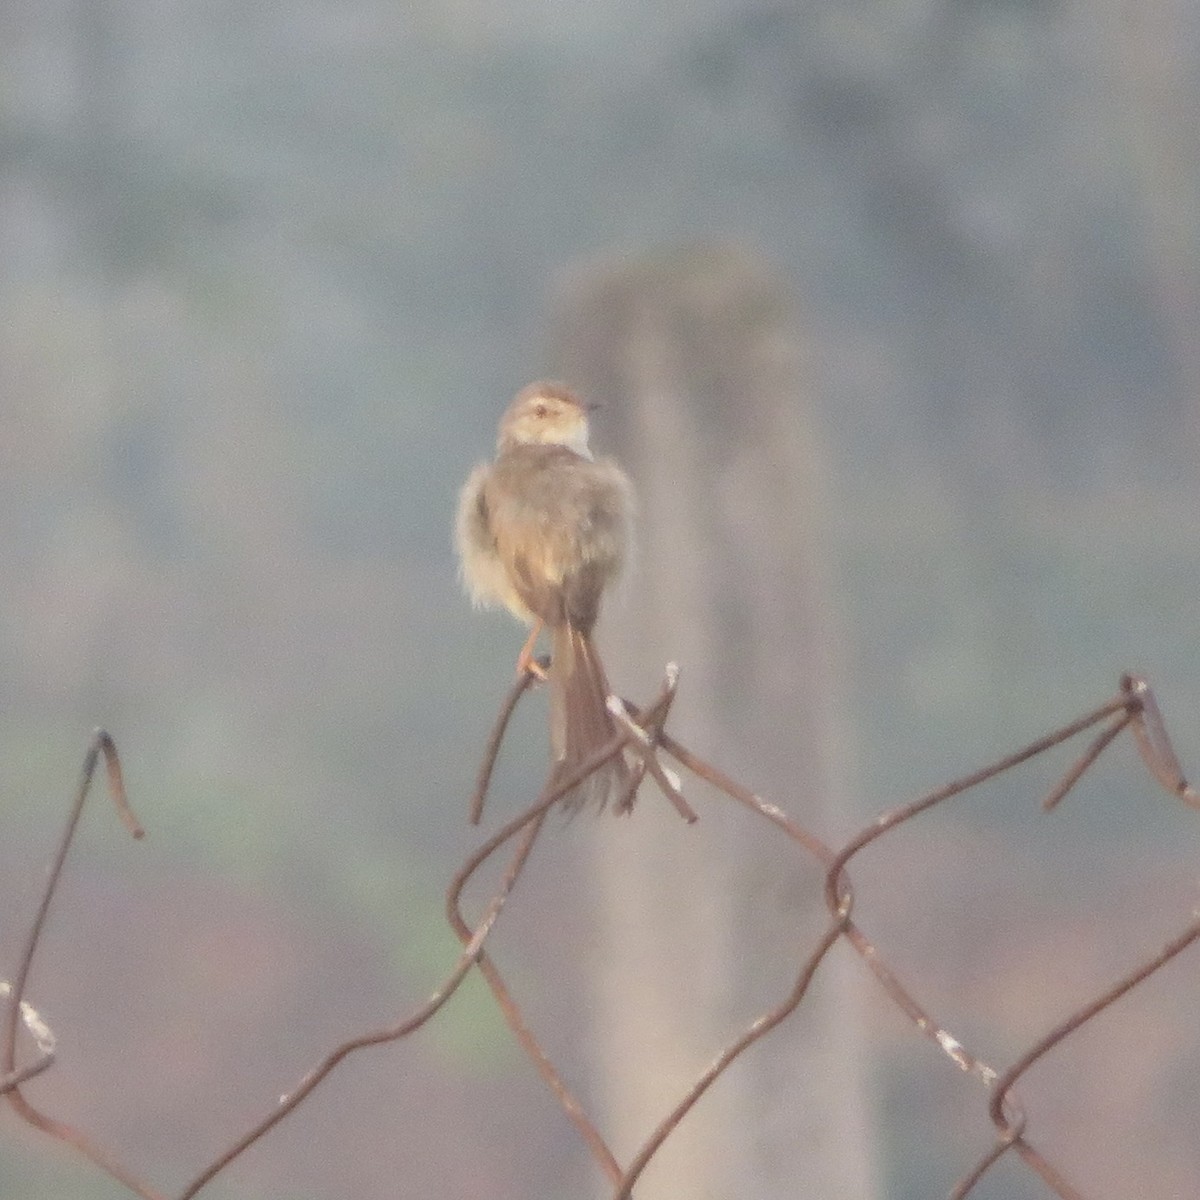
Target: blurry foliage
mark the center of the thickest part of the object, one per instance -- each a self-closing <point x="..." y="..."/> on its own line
<point x="269" y="275"/>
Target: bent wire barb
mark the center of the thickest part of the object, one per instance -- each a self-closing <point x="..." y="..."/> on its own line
<point x="642" y="734"/>
<point x="43" y="1038"/>
<point x="1150" y="733"/>
<point x="17" y="1009"/>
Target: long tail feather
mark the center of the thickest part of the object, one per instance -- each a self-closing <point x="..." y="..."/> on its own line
<point x="580" y="723"/>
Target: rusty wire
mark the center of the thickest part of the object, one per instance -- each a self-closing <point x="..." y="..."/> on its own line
<point x="642" y="734"/>
<point x="16" y="1013"/>
<point x="43" y="1038"/>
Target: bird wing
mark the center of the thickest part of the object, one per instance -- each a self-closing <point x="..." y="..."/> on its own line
<point x="479" y="563"/>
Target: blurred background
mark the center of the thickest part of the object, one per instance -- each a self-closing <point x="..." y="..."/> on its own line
<point x="893" y="310"/>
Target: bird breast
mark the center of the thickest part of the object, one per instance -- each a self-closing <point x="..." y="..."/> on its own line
<point x="560" y="524"/>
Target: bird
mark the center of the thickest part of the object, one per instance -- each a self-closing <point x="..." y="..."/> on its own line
<point x="543" y="530"/>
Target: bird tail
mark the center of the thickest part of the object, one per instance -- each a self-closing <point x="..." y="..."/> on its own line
<point x="580" y="723"/>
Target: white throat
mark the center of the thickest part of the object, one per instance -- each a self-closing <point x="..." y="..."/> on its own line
<point x="579" y="443"/>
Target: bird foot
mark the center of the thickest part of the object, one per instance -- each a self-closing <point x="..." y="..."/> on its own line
<point x="530" y="664"/>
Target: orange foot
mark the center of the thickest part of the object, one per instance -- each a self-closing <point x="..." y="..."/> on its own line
<point x="527" y="663"/>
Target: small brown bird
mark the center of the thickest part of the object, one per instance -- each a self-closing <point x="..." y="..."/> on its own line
<point x="543" y="530"/>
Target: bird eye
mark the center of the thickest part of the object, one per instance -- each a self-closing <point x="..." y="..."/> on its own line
<point x="541" y="411"/>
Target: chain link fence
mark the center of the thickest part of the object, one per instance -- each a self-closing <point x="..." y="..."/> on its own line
<point x="667" y="762"/>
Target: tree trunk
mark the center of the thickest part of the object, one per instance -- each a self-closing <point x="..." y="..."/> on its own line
<point x="696" y="358"/>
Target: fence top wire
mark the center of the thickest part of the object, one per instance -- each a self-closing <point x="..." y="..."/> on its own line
<point x="643" y="737"/>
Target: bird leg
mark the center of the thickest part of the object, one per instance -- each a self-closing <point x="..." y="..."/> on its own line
<point x="527" y="664"/>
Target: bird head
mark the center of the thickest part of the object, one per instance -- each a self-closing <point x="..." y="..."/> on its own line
<point x="546" y="414"/>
